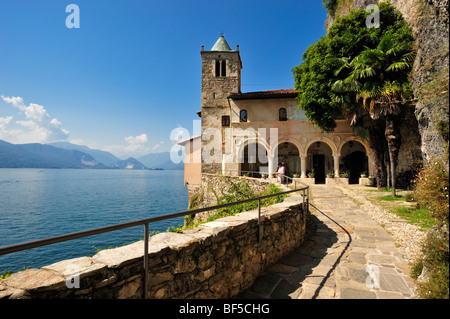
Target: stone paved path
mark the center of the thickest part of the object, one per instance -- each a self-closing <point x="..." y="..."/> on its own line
<point x="349" y="257"/>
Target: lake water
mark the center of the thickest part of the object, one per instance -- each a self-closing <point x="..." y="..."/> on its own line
<point x="41" y="203"/>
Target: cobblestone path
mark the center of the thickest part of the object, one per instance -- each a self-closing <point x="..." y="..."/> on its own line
<point x="350" y="256"/>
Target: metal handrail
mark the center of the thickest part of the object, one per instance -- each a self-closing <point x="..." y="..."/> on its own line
<point x="252" y="173"/>
<point x="96" y="231"/>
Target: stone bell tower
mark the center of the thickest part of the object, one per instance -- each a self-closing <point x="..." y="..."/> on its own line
<point x="221" y="76"/>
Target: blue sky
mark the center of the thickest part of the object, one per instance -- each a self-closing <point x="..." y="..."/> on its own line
<point x="131" y="73"/>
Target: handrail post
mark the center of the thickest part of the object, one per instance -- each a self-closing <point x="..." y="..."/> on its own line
<point x="146" y="236"/>
<point x="303" y="197"/>
<point x="307" y="198"/>
<point x="259" y="220"/>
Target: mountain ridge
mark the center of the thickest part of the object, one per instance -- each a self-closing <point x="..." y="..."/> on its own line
<point x="68" y="155"/>
<point x="35" y="155"/>
<point x="160" y="160"/>
<point x="103" y="157"/>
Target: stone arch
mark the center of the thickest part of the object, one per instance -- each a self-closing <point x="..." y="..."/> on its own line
<point x="320" y="158"/>
<point x="326" y="140"/>
<point x="288" y="151"/>
<point x="252" y="140"/>
<point x="255" y="163"/>
<point x="356" y="139"/>
<point x="354" y="159"/>
<point x="288" y="140"/>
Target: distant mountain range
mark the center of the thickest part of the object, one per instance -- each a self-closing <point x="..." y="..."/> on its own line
<point x="160" y="160"/>
<point x="129" y="163"/>
<point x="44" y="156"/>
<point x="103" y="157"/>
<point x="67" y="155"/>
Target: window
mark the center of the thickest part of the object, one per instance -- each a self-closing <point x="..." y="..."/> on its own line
<point x="282" y="115"/>
<point x="217" y="68"/>
<point x="221" y="68"/>
<point x="243" y="116"/>
<point x="226" y="120"/>
<point x="224" y="68"/>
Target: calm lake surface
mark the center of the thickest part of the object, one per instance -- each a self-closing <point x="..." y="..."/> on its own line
<point x="41" y="203"/>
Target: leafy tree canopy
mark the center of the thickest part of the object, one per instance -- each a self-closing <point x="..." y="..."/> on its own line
<point x="327" y="61"/>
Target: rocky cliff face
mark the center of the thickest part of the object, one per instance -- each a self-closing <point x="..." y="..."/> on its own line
<point x="429" y="22"/>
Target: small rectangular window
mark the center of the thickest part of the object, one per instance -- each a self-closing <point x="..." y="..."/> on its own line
<point x="217" y="68"/>
<point x="243" y="116"/>
<point x="224" y="68"/>
<point x="221" y="68"/>
<point x="282" y="115"/>
<point x="226" y="120"/>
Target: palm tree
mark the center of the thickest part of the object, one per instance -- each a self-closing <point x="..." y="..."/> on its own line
<point x="379" y="79"/>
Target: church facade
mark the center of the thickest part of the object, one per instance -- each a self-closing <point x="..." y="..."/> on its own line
<point x="251" y="132"/>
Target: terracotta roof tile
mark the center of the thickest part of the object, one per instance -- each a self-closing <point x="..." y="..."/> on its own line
<point x="265" y="94"/>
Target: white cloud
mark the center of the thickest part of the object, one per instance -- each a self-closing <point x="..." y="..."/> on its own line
<point x="157" y="146"/>
<point x="40" y="127"/>
<point x="78" y="141"/>
<point x="137" y="140"/>
<point x="16" y="101"/>
<point x="6" y="133"/>
<point x="136" y="146"/>
<point x="5" y="120"/>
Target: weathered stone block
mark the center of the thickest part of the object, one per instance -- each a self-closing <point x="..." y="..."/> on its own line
<point x="120" y="256"/>
<point x="81" y="266"/>
<point x="35" y="280"/>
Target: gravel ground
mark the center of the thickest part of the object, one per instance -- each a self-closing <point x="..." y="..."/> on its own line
<point x="408" y="237"/>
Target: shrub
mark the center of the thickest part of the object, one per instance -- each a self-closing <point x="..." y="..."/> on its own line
<point x="240" y="191"/>
<point x="237" y="191"/>
<point x="431" y="192"/>
<point x="344" y="174"/>
<point x="435" y="263"/>
<point x="195" y="201"/>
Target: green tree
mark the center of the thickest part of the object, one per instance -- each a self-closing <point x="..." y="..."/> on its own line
<point x="313" y="81"/>
<point x="326" y="79"/>
<point x="379" y="78"/>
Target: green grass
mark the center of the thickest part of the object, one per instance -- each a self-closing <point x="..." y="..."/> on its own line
<point x="390" y="198"/>
<point x="418" y="216"/>
<point x="403" y="206"/>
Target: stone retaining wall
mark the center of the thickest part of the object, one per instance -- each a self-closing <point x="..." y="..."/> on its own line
<point x="213" y="185"/>
<point x="219" y="259"/>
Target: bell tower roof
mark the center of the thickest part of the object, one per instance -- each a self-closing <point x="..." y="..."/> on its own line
<point x="221" y="45"/>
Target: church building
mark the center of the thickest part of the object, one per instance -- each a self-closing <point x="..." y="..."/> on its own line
<point x="251" y="132"/>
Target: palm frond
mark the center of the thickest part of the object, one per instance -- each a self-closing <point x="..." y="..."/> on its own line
<point x="386" y="43"/>
<point x="408" y="57"/>
<point x="341" y="65"/>
<point x="348" y="84"/>
<point x="338" y="86"/>
<point x="364" y="72"/>
<point x="398" y="66"/>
